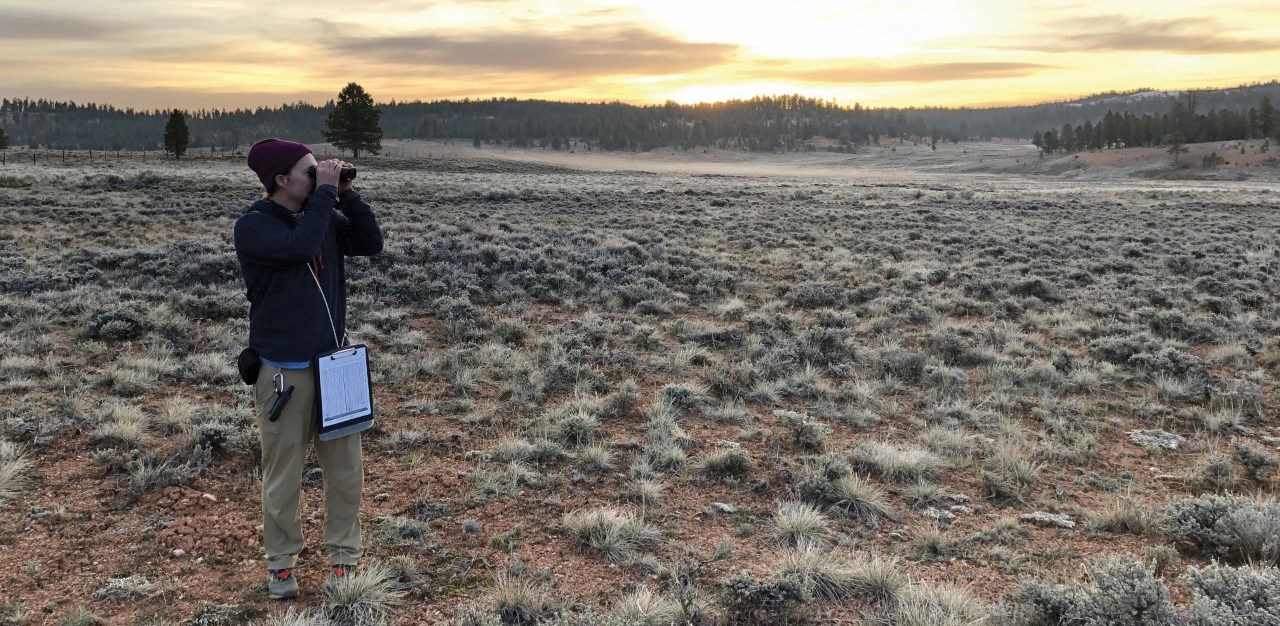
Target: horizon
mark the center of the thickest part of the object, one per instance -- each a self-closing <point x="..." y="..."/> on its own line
<point x="643" y="104"/>
<point x="935" y="53"/>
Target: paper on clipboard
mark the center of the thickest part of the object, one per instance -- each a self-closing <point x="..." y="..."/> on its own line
<point x="344" y="386"/>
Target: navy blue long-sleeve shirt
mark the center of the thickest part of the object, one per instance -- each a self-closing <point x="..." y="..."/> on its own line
<point x="287" y="320"/>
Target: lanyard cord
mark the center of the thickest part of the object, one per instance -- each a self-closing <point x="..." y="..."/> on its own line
<point x="332" y="326"/>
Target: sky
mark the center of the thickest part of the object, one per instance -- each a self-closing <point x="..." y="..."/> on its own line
<point x="196" y="54"/>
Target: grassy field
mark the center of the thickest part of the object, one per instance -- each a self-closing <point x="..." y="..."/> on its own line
<point x="676" y="395"/>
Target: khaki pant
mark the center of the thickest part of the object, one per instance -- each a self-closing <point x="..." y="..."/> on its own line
<point x="284" y="449"/>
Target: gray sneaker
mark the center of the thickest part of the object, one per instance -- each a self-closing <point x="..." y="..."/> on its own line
<point x="282" y="584"/>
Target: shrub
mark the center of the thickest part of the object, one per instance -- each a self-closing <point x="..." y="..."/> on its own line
<point x="126" y="588"/>
<point x="1119" y="592"/>
<point x="142" y="475"/>
<point x="905" y="365"/>
<point x="771" y="602"/>
<point x="1254" y="459"/>
<point x="462" y="319"/>
<point x="683" y="396"/>
<point x="806" y="431"/>
<point x="813" y="295"/>
<point x="956" y="348"/>
<point x="1230" y="527"/>
<point x="1124" y="592"/>
<point x="1240" y="596"/>
<point x="114" y="325"/>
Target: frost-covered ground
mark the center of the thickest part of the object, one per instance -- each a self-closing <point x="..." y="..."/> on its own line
<point x="661" y="388"/>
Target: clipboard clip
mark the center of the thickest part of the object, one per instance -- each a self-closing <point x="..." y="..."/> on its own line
<point x="344" y="353"/>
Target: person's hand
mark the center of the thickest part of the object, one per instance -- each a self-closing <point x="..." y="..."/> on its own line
<point x="346" y="185"/>
<point x="327" y="172"/>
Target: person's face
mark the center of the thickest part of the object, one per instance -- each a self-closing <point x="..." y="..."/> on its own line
<point x="296" y="184"/>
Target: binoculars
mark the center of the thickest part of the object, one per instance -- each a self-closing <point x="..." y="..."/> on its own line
<point x="347" y="173"/>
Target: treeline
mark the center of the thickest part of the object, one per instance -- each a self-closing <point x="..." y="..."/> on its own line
<point x="1181" y="124"/>
<point x="766" y="123"/>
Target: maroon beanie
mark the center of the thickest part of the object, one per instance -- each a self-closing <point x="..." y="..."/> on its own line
<point x="270" y="157"/>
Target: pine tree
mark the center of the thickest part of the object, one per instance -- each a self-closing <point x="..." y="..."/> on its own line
<point x="1067" y="138"/>
<point x="1266" y="117"/>
<point x="354" y="123"/>
<point x="1174" y="141"/>
<point x="176" y="135"/>
<point x="4" y="140"/>
<point x="1051" y="143"/>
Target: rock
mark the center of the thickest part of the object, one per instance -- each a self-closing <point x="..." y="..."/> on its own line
<point x="210" y="497"/>
<point x="382" y="497"/>
<point x="960" y="508"/>
<point x="938" y="515"/>
<point x="724" y="508"/>
<point x="1156" y="438"/>
<point x="731" y="445"/>
<point x="179" y="553"/>
<point x="1040" y="518"/>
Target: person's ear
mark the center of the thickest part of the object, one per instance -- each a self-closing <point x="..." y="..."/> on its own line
<point x="281" y="180"/>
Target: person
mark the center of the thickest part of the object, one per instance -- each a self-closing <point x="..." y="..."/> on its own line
<point x="290" y="246"/>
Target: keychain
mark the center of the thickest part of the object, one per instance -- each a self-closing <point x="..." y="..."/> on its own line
<point x="282" y="397"/>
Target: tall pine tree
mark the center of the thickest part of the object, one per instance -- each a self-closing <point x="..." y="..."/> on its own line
<point x="1266" y="117"/>
<point x="354" y="123"/>
<point x="176" y="135"/>
<point x="4" y="140"/>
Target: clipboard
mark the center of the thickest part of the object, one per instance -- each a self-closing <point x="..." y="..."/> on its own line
<point x="344" y="397"/>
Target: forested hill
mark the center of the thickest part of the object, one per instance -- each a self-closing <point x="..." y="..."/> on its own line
<point x="764" y="123"/>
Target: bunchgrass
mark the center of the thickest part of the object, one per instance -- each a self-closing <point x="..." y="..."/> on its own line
<point x="366" y="597"/>
<point x="799" y="523"/>
<point x="14" y="470"/>
<point x="615" y="535"/>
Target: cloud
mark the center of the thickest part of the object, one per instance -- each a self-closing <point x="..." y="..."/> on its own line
<point x="854" y="73"/>
<point x="1119" y="33"/>
<point x="630" y="51"/>
<point x="19" y="24"/>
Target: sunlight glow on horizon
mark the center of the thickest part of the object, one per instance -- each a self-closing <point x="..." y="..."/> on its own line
<point x="230" y="53"/>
